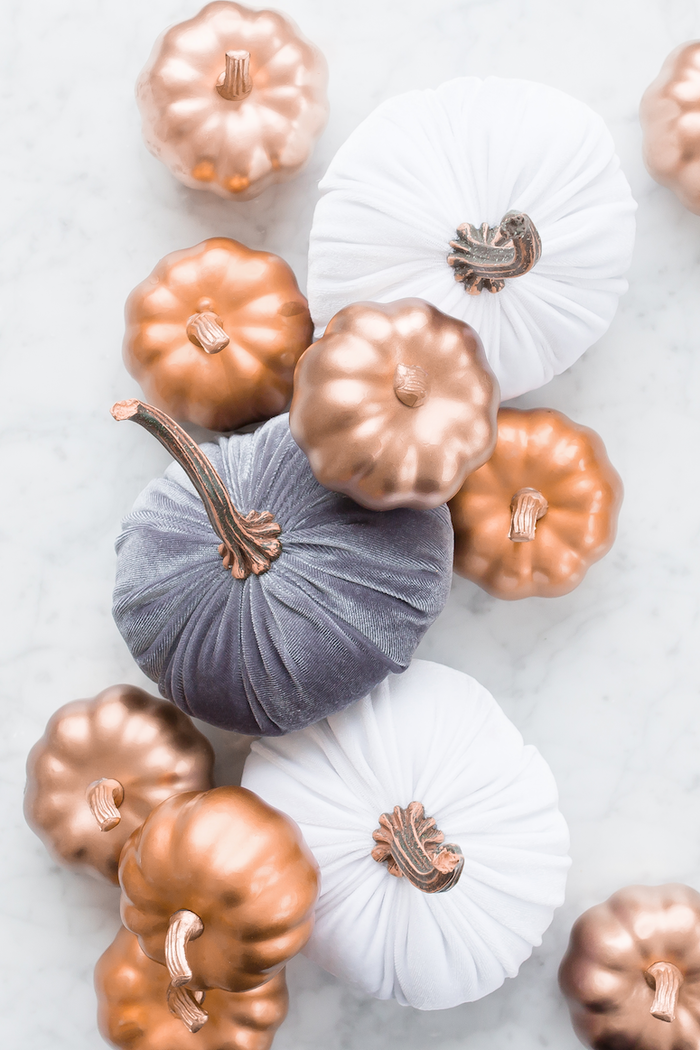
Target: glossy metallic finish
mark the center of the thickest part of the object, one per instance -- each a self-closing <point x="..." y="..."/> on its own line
<point x="233" y="100"/>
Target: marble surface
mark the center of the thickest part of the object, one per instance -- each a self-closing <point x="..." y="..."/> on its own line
<point x="603" y="681"/>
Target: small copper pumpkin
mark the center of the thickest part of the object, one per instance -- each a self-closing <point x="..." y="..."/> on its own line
<point x="233" y="99"/>
<point x="220" y="888"/>
<point x="100" y="768"/>
<point x="535" y="517"/>
<point x="395" y="405"/>
<point x="214" y="333"/>
<point x="137" y="1009"/>
<point x="631" y="973"/>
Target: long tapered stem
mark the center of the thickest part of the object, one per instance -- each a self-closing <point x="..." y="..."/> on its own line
<point x="667" y="982"/>
<point x="184" y="927"/>
<point x="186" y="1005"/>
<point x="104" y="797"/>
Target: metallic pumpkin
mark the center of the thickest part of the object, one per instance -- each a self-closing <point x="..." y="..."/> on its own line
<point x="137" y="1010"/>
<point x="670" y="118"/>
<point x="631" y="973"/>
<point x="214" y="333"/>
<point x="100" y="768"/>
<point x="233" y="100"/>
<point x="395" y="405"/>
<point x="220" y="888"/>
<point x="534" y="518"/>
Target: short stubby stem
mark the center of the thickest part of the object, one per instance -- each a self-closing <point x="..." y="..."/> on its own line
<point x="411" y="844"/>
<point x="235" y="83"/>
<point x="485" y="257"/>
<point x="526" y="508"/>
<point x="184" y="927"/>
<point x="411" y="385"/>
<point x="104" y="797"/>
<point x="205" y="330"/>
<point x="666" y="979"/>
<point x="186" y="1005"/>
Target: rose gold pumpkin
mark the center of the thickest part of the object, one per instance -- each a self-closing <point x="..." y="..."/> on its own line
<point x="133" y="1012"/>
<point x="395" y="405"/>
<point x="214" y="333"/>
<point x="631" y="973"/>
<point x="670" y="118"/>
<point x="535" y="517"/>
<point x="122" y="739"/>
<point x="234" y="125"/>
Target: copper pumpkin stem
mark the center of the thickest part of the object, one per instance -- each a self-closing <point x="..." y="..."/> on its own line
<point x="104" y="797"/>
<point x="486" y="256"/>
<point x="185" y="1004"/>
<point x="249" y="544"/>
<point x="205" y="329"/>
<point x="235" y="83"/>
<point x="526" y="508"/>
<point x="184" y="927"/>
<point x="411" y="845"/>
<point x="666" y="979"/>
<point x="411" y="385"/>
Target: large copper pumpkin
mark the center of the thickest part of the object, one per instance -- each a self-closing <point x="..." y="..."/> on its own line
<point x="220" y="888"/>
<point x="100" y="768"/>
<point x="631" y="973"/>
<point x="534" y="518"/>
<point x="137" y="1010"/>
<point x="233" y="99"/>
<point x="395" y="405"/>
<point x="214" y="333"/>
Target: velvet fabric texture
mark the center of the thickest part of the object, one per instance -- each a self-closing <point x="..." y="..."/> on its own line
<point x="344" y="605"/>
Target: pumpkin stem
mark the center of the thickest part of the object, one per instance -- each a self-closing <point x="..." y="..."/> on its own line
<point x="411" y="385"/>
<point x="526" y="508"/>
<point x="249" y="543"/>
<point x="235" y="83"/>
<point x="184" y="927"/>
<point x="104" y="797"/>
<point x="185" y="1004"/>
<point x="486" y="256"/>
<point x="411" y="844"/>
<point x="666" y="979"/>
<point x="205" y="329"/>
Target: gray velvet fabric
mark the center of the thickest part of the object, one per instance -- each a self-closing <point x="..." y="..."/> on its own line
<point x="344" y="605"/>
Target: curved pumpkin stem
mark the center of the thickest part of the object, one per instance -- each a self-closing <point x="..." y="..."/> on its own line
<point x="667" y="980"/>
<point x="104" y="797"/>
<point x="184" y="927"/>
<point x="235" y="83"/>
<point x="411" y="845"/>
<point x="249" y="544"/>
<point x="526" y="508"/>
<point x="484" y="257"/>
<point x="186" y="1005"/>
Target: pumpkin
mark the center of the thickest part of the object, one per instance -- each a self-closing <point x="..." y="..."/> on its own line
<point x="501" y="202"/>
<point x="536" y="516"/>
<point x="631" y="973"/>
<point x="267" y="617"/>
<point x="137" y="1010"/>
<point x="219" y="888"/>
<point x="100" y="768"/>
<point x="395" y="405"/>
<point x="214" y="333"/>
<point x="669" y="114"/>
<point x="441" y="848"/>
<point x="233" y="100"/>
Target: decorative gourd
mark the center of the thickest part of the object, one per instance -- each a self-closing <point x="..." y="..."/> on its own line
<point x="395" y="405"/>
<point x="214" y="333"/>
<point x="100" y="768"/>
<point x="134" y="1009"/>
<point x="233" y="100"/>
<point x="441" y="848"/>
<point x="316" y="600"/>
<point x="534" y="518"/>
<point x="480" y="187"/>
<point x="219" y="888"/>
<point x="631" y="973"/>
<point x="670" y="116"/>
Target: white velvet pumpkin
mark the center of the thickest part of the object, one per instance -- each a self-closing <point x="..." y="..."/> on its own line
<point x="470" y="152"/>
<point x="432" y="735"/>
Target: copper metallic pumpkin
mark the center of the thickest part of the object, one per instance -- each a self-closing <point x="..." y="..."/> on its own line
<point x="137" y="1010"/>
<point x="535" y="517"/>
<point x="214" y="333"/>
<point x="631" y="973"/>
<point x="100" y="768"/>
<point x="220" y="888"/>
<point x="233" y="100"/>
<point x="670" y="118"/>
<point x="395" y="405"/>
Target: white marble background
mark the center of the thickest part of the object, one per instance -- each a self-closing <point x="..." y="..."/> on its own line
<point x="603" y="681"/>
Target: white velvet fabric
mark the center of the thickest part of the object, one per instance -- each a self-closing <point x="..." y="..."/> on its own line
<point x="436" y="736"/>
<point x="427" y="161"/>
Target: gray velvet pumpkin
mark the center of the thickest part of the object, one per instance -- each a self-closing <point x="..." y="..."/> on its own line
<point x="343" y="605"/>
